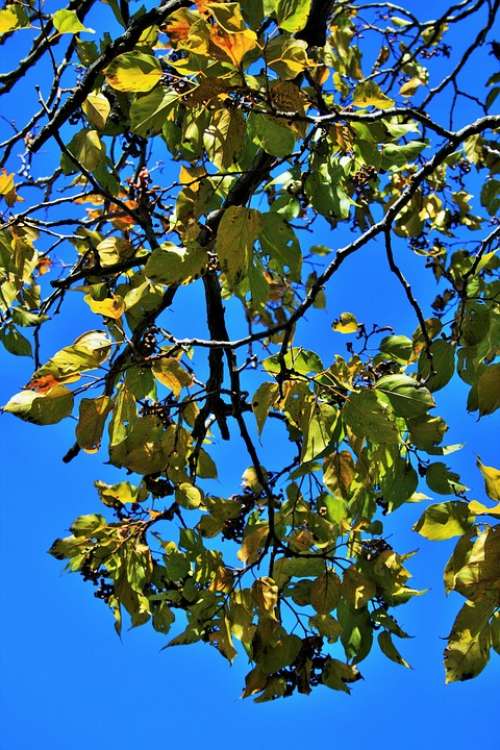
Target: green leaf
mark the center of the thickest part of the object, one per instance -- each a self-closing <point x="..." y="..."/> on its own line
<point x="224" y="137"/>
<point x="443" y="360"/>
<point x="369" y="416"/>
<point x="292" y="15"/>
<point x="148" y="113"/>
<point x="443" y="481"/>
<point x="407" y="397"/>
<point x="15" y="342"/>
<point x="399" y="347"/>
<point x="46" y="408"/>
<point x="301" y="361"/>
<point x="488" y="390"/>
<point x="280" y="241"/>
<point x="444" y="521"/>
<point x="236" y="234"/>
<point x="337" y="675"/>
<point x="318" y="426"/>
<point x="67" y="22"/>
<point x="87" y="150"/>
<point x="272" y="134"/>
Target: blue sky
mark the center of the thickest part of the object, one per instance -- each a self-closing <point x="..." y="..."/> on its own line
<point x="69" y="683"/>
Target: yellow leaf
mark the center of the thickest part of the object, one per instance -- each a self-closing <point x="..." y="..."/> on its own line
<point x="491" y="480"/>
<point x="409" y="88"/>
<point x="236" y="234"/>
<point x="111" y="307"/>
<point x="8" y="20"/>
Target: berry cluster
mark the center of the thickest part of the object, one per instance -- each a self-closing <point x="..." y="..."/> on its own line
<point x="158" y="486"/>
<point x="373" y="548"/>
<point x="158" y="409"/>
<point x="363" y="175"/>
<point x="148" y="344"/>
<point x="234" y="527"/>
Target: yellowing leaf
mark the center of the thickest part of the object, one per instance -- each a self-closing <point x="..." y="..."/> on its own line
<point x="467" y="652"/>
<point x="287" y="57"/>
<point x="325" y="592"/>
<point x="92" y="415"/>
<point x="111" y="307"/>
<point x="409" y="88"/>
<point x="67" y="22"/>
<point x="253" y="541"/>
<point x="234" y="45"/>
<point x="346" y="323"/>
<point x="41" y="408"/>
<point x="368" y="94"/>
<point x="134" y="72"/>
<point x="169" y="263"/>
<point x="7" y="188"/>
<point x="292" y="15"/>
<point x="96" y="108"/>
<point x="9" y="19"/>
<point x="237" y="231"/>
<point x="171" y="373"/>
<point x="265" y="594"/>
<point x="444" y="520"/>
<point x="491" y="480"/>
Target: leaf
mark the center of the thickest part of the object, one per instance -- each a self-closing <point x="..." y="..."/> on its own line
<point x="236" y="234"/>
<point x="467" y="652"/>
<point x="265" y="594"/>
<point x="292" y="15"/>
<point x="15" y="342"/>
<point x="110" y="307"/>
<point x="96" y="108"/>
<point x="318" y="425"/>
<point x="389" y="649"/>
<point x="410" y="87"/>
<point x="253" y="541"/>
<point x="92" y="416"/>
<point x="440" y="479"/>
<point x="488" y="390"/>
<point x="337" y="675"/>
<point x="263" y="399"/>
<point x="188" y="496"/>
<point x="150" y="112"/>
<point x="287" y="57"/>
<point x="479" y="577"/>
<point x="224" y="138"/>
<point x="87" y="352"/>
<point x="170" y="264"/>
<point x="407" y="397"/>
<point x="272" y="134"/>
<point x="345" y="323"/>
<point x="399" y="347"/>
<point x="9" y="19"/>
<point x="491" y="478"/>
<point x="170" y="372"/>
<point x="368" y="94"/>
<point x="87" y="150"/>
<point x="325" y="592"/>
<point x="234" y="45"/>
<point x="301" y="361"/>
<point x="134" y="72"/>
<point x="443" y="360"/>
<point x="47" y="408"/>
<point x="368" y="416"/>
<point x="444" y="521"/>
<point x="67" y="22"/>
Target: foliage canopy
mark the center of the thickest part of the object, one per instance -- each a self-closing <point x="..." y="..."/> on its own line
<point x="278" y="117"/>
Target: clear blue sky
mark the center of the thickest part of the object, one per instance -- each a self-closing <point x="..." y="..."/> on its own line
<point x="69" y="683"/>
